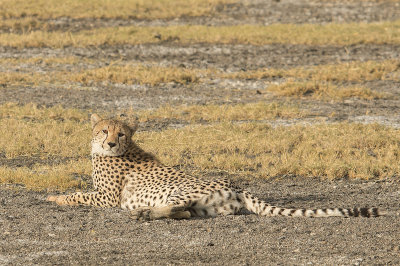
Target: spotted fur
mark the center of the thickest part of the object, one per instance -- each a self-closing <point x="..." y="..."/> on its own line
<point x="126" y="176"/>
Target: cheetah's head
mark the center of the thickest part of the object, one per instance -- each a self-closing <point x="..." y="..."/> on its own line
<point x="110" y="137"/>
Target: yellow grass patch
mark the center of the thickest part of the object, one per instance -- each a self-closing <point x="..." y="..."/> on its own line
<point x="46" y="177"/>
<point x="25" y="24"/>
<point x="117" y="72"/>
<point x="337" y="150"/>
<point x="327" y="150"/>
<point x="308" y="34"/>
<point x="128" y="74"/>
<point x="349" y="71"/>
<point x="141" y="74"/>
<point x="223" y="113"/>
<point x="35" y="113"/>
<point x="324" y="91"/>
<point x="141" y="9"/>
<point x="30" y="131"/>
<point x="49" y="61"/>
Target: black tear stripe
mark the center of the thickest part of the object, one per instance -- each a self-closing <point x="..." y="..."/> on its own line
<point x="102" y="145"/>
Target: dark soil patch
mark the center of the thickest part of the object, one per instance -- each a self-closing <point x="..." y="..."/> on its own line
<point x="35" y="231"/>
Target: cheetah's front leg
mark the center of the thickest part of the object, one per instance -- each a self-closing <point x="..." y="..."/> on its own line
<point x="154" y="213"/>
<point x="92" y="198"/>
<point x="61" y="200"/>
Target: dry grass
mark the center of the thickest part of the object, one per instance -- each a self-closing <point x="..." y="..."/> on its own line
<point x="34" y="112"/>
<point x="327" y="150"/>
<point x="45" y="177"/>
<point x="128" y="74"/>
<point x="324" y="91"/>
<point x="339" y="150"/>
<point x="308" y="34"/>
<point x="24" y="25"/>
<point x="31" y="131"/>
<point x="349" y="71"/>
<point x="48" y="61"/>
<point x="118" y="72"/>
<point x="320" y="82"/>
<point x="140" y="9"/>
<point x="223" y="113"/>
<point x="140" y="74"/>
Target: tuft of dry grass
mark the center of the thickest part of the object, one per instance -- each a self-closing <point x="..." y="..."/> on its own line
<point x="324" y="91"/>
<point x="140" y="74"/>
<point x="123" y="9"/>
<point x="29" y="130"/>
<point x="307" y="34"/>
<point x="45" y="177"/>
<point x="34" y="112"/>
<point x="349" y="71"/>
<point x="340" y="150"/>
<point x="224" y="112"/>
<point x="24" y="25"/>
<point x="127" y="74"/>
<point x="48" y="61"/>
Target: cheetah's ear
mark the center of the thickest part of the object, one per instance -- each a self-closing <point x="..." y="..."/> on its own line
<point x="131" y="121"/>
<point x="94" y="119"/>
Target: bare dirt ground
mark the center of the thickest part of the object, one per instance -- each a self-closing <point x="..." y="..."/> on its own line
<point x="33" y="231"/>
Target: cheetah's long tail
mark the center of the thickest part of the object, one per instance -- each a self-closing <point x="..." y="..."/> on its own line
<point x="262" y="208"/>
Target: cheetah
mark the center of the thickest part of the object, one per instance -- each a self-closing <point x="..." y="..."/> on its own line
<point x="126" y="176"/>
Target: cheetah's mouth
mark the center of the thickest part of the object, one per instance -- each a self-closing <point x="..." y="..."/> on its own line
<point x="97" y="148"/>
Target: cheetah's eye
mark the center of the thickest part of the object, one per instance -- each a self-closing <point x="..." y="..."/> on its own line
<point x="105" y="131"/>
<point x="121" y="135"/>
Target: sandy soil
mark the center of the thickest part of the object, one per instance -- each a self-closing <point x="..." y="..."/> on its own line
<point x="33" y="231"/>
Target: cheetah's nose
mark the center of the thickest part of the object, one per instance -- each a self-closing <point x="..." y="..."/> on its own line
<point x="111" y="144"/>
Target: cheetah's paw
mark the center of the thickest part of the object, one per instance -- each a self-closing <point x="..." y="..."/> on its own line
<point x="152" y="213"/>
<point x="60" y="200"/>
<point x="142" y="214"/>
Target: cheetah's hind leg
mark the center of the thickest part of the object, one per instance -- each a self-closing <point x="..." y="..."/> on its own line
<point x="154" y="213"/>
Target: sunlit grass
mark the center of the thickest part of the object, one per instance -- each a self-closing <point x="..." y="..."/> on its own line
<point x="326" y="150"/>
<point x="223" y="113"/>
<point x="123" y="73"/>
<point x="339" y="150"/>
<point x="30" y="131"/>
<point x="46" y="177"/>
<point x="139" y="74"/>
<point x="324" y="91"/>
<point x="48" y="61"/>
<point x="35" y="113"/>
<point x="308" y="34"/>
<point x="349" y="71"/>
<point x="140" y="9"/>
